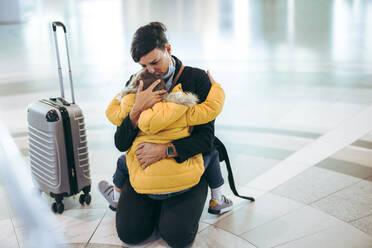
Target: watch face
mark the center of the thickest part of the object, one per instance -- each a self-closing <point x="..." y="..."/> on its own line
<point x="170" y="150"/>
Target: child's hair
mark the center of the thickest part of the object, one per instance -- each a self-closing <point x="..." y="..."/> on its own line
<point x="147" y="79"/>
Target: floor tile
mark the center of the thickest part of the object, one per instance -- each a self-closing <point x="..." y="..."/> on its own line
<point x="355" y="154"/>
<point x="238" y="203"/>
<point x="267" y="115"/>
<point x="269" y="131"/>
<point x="277" y="175"/>
<point x="333" y="141"/>
<point x="313" y="184"/>
<point x="103" y="161"/>
<point x="364" y="224"/>
<point x="215" y="237"/>
<point x="265" y="209"/>
<point x="350" y="203"/>
<point x="72" y="202"/>
<point x="345" y="167"/>
<point x="7" y="234"/>
<point x="103" y="246"/>
<point x="4" y="206"/>
<point x="319" y="113"/>
<point x="15" y="126"/>
<point x="245" y="167"/>
<point x="72" y="245"/>
<point x="76" y="225"/>
<point x="106" y="231"/>
<point x="365" y="141"/>
<point x="202" y="226"/>
<point x="257" y="150"/>
<point x="340" y="236"/>
<point x="161" y="243"/>
<point x="21" y="142"/>
<point x="46" y="226"/>
<point x="298" y="223"/>
<point x="279" y="143"/>
<point x="106" y="234"/>
<point x="73" y="226"/>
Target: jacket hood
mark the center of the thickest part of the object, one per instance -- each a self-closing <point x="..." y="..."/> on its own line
<point x="130" y="89"/>
<point x="188" y="99"/>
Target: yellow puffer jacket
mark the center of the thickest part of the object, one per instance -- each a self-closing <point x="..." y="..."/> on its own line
<point x="164" y="122"/>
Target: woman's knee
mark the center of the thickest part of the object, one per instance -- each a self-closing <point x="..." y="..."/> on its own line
<point x="132" y="234"/>
<point x="178" y="237"/>
<point x="134" y="222"/>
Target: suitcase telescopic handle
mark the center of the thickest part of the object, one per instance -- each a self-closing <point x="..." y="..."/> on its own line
<point x="54" y="26"/>
<point x="58" y="24"/>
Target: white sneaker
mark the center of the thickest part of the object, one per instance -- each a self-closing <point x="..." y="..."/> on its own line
<point x="107" y="191"/>
<point x="216" y="207"/>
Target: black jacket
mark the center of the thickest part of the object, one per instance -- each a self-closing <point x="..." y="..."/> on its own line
<point x="202" y="137"/>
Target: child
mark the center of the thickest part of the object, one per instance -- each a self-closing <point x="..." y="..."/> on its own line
<point x="166" y="121"/>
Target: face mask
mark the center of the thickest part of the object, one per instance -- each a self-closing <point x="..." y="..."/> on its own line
<point x="171" y="69"/>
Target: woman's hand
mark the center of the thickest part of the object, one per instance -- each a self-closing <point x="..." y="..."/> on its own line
<point x="149" y="153"/>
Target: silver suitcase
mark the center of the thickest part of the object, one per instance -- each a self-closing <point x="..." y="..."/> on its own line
<point x="58" y="144"/>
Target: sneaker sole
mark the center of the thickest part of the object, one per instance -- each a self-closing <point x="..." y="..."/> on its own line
<point x="220" y="211"/>
<point x="110" y="207"/>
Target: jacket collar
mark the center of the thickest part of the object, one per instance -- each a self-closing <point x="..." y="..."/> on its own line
<point x="178" y="64"/>
<point x="178" y="67"/>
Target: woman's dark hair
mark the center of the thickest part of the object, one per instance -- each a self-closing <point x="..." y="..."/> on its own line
<point x="147" y="38"/>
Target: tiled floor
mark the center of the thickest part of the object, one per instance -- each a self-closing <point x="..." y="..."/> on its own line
<point x="296" y="121"/>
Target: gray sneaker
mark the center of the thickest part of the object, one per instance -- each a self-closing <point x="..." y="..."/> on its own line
<point x="216" y="207"/>
<point x="107" y="191"/>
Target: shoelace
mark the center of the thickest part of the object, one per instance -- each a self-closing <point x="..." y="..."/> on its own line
<point x="226" y="200"/>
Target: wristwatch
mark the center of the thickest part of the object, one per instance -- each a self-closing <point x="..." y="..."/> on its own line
<point x="170" y="151"/>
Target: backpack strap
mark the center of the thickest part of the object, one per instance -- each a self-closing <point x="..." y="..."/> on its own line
<point x="176" y="78"/>
<point x="178" y="75"/>
<point x="223" y="156"/>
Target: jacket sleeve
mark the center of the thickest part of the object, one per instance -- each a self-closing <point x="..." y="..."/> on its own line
<point x="160" y="116"/>
<point x="125" y="132"/>
<point x="209" y="109"/>
<point x="117" y="111"/>
<point x="202" y="137"/>
<point x="125" y="135"/>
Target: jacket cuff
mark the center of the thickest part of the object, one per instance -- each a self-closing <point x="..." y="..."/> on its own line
<point x="128" y="123"/>
<point x="181" y="155"/>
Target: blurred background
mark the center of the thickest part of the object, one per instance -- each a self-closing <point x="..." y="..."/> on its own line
<point x="264" y="44"/>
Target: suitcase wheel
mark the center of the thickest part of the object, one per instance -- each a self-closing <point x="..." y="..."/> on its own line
<point x="58" y="207"/>
<point x="85" y="198"/>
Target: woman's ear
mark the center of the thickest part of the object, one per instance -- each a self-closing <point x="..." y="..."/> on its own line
<point x="168" y="47"/>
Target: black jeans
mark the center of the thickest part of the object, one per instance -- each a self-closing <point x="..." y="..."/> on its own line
<point x="176" y="218"/>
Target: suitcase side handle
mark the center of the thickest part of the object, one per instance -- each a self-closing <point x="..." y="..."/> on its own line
<point x="54" y="26"/>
